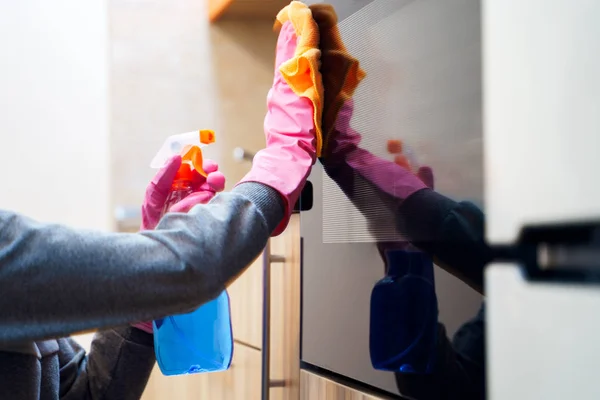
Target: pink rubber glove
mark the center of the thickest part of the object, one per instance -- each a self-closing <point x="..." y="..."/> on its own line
<point x="157" y="193"/>
<point x="285" y="163"/>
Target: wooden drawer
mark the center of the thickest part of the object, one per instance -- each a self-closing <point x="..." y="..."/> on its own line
<point x="240" y="382"/>
<point x="246" y="305"/>
<point x="315" y="387"/>
<point x="285" y="314"/>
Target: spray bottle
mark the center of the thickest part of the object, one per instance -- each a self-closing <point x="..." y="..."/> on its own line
<point x="202" y="340"/>
<point x="404" y="313"/>
<point x="404" y="309"/>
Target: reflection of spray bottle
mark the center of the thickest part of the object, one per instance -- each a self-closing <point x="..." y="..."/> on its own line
<point x="202" y="340"/>
<point x="404" y="312"/>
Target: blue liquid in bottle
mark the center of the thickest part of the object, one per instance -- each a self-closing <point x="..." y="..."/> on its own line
<point x="404" y="315"/>
<point x="199" y="341"/>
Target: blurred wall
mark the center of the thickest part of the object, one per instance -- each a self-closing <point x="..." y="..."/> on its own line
<point x="54" y="111"/>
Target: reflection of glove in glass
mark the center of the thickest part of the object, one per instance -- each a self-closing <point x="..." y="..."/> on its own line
<point x="389" y="177"/>
<point x="377" y="187"/>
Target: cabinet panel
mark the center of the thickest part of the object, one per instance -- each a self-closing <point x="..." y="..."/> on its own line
<point x="246" y="305"/>
<point x="244" y="10"/>
<point x="315" y="387"/>
<point x="240" y="382"/>
<point x="285" y="314"/>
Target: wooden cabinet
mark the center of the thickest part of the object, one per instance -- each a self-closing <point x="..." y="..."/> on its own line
<point x="285" y="314"/>
<point x="315" y="387"/>
<point x="241" y="381"/>
<point x="246" y="306"/>
<point x="245" y="9"/>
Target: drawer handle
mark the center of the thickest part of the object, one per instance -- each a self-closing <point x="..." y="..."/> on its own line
<point x="240" y="155"/>
<point x="276" y="259"/>
<point x="268" y="258"/>
<point x="266" y="382"/>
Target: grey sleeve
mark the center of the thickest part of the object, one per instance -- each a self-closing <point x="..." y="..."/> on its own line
<point x="55" y="280"/>
<point x="118" y="366"/>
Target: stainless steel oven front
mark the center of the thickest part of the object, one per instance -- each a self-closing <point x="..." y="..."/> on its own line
<point x="423" y="86"/>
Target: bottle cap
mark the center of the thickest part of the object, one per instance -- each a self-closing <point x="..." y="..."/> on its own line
<point x="397" y="260"/>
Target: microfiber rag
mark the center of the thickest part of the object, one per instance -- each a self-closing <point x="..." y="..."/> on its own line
<point x="340" y="71"/>
<point x="301" y="72"/>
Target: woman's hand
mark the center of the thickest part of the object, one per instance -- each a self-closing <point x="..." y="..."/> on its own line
<point x="159" y="188"/>
<point x="289" y="125"/>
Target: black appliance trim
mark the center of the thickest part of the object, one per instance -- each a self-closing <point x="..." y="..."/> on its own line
<point x="349" y="382"/>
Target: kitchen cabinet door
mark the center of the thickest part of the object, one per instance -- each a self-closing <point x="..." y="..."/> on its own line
<point x="240" y="382"/>
<point x="315" y="387"/>
<point x="246" y="305"/>
<point x="285" y="314"/>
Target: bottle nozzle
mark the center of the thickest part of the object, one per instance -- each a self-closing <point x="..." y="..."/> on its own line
<point x="194" y="157"/>
<point x="207" y="136"/>
<point x="184" y="173"/>
<point x="188" y="145"/>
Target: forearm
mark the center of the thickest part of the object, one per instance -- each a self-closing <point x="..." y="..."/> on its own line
<point x="55" y="280"/>
<point x="452" y="232"/>
<point x="118" y="366"/>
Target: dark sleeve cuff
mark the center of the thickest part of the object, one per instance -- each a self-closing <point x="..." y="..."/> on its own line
<point x="135" y="335"/>
<point x="268" y="201"/>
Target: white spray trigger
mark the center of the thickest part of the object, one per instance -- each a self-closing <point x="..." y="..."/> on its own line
<point x="176" y="145"/>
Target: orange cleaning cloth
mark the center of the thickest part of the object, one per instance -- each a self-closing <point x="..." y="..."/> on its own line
<point x="301" y="72"/>
<point x="340" y="71"/>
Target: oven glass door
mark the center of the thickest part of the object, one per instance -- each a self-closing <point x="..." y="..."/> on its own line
<point x="423" y="87"/>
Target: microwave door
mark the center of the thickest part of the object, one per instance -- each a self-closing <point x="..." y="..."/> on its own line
<point x="423" y="86"/>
